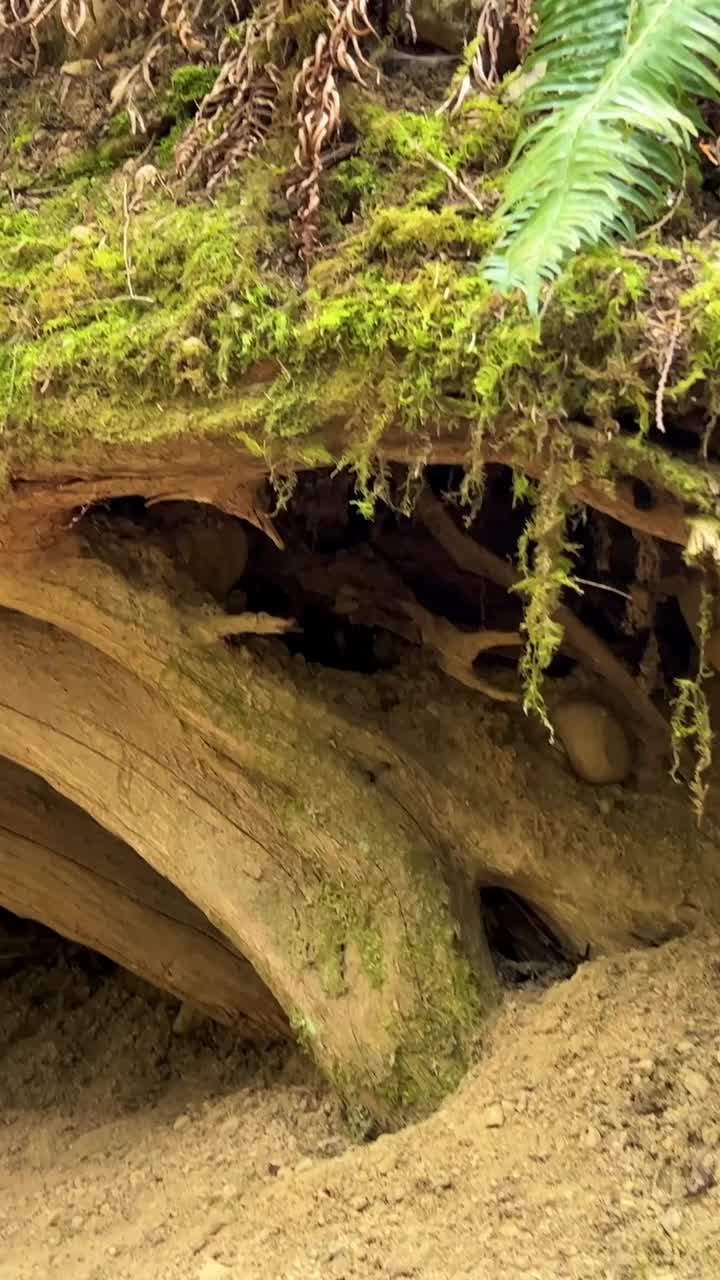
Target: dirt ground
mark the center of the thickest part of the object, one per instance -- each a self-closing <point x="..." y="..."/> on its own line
<point x="585" y="1143"/>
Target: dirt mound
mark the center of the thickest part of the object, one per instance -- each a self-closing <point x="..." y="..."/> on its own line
<point x="585" y="1143"/>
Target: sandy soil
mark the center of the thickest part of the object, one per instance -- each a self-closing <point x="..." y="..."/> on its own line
<point x="585" y="1143"/>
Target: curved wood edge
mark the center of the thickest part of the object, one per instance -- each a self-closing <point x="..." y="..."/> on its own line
<point x="61" y="868"/>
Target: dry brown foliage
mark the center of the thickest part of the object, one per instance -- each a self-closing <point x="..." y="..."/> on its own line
<point x="316" y="100"/>
<point x="234" y="117"/>
<point x="496" y="17"/>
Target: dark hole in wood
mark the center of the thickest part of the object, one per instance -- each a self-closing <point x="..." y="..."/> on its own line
<point x="524" y="946"/>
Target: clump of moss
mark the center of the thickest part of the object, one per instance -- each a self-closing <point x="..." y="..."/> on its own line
<point x="189" y="85"/>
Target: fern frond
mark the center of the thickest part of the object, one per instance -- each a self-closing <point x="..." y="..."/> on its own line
<point x="610" y="115"/>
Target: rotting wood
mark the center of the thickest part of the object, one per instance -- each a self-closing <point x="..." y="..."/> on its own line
<point x="60" y="868"/>
<point x="286" y="812"/>
<point x="39" y="505"/>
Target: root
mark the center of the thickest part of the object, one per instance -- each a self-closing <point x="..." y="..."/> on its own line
<point x="469" y="556"/>
<point x="219" y="626"/>
<point x="454" y="650"/>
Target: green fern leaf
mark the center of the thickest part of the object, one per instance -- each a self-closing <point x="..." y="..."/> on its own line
<point x="609" y="116"/>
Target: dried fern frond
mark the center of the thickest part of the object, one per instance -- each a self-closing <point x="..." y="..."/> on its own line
<point x="234" y="117"/>
<point x="610" y="109"/>
<point x="482" y="71"/>
<point x="316" y="99"/>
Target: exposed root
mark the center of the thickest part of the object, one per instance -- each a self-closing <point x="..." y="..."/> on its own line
<point x="454" y="650"/>
<point x="469" y="556"/>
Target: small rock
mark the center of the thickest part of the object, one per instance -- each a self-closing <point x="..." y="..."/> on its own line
<point x="671" y="1221"/>
<point x="76" y="1222"/>
<point x="696" y="1084"/>
<point x="591" y="1138"/>
<point x="79" y="69"/>
<point x="181" y="1122"/>
<point x="684" y="1047"/>
<point x="211" y="1269"/>
<point x="187" y="1019"/>
<point x="493" y="1117"/>
<point x="83" y="234"/>
<point x="594" y="739"/>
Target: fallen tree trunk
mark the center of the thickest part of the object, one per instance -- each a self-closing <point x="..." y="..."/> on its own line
<point x="60" y="868"/>
<point x="338" y="846"/>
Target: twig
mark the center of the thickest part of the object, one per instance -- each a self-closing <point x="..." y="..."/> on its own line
<point x="665" y="372"/>
<point x="658" y="226"/>
<point x="126" y="241"/>
<point x="452" y="178"/>
<point x="602" y="586"/>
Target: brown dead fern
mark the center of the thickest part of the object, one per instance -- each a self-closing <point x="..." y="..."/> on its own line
<point x="235" y="116"/>
<point x="483" y="71"/>
<point x="316" y="101"/>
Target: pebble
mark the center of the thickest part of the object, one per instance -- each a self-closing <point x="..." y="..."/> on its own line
<point x="671" y="1221"/>
<point x="591" y="1138"/>
<point x="493" y="1117"/>
<point x="594" y="739"/>
<point x="181" y="1123"/>
<point x="83" y="234"/>
<point x="696" y="1084"/>
<point x="76" y="1222"/>
<point x="211" y="1269"/>
<point x="684" y="1047"/>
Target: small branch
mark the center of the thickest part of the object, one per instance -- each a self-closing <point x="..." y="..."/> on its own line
<point x="126" y="242"/>
<point x="453" y="179"/>
<point x="665" y="372"/>
<point x="241" y="624"/>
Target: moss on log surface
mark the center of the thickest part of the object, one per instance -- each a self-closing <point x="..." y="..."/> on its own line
<point x="130" y="314"/>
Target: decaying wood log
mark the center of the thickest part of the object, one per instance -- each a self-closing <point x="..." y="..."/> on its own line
<point x="39" y="504"/>
<point x="336" y="844"/>
<point x="60" y="868"/>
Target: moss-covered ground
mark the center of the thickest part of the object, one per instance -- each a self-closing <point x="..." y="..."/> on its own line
<point x="131" y="311"/>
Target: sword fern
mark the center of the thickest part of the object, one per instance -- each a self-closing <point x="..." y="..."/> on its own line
<point x="609" y="111"/>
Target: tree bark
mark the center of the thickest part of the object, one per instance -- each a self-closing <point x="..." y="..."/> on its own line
<point x="334" y="896"/>
<point x="60" y="868"/>
<point x="334" y="830"/>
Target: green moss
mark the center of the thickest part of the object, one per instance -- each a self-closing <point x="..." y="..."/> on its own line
<point x="189" y="85"/>
<point x="395" y="325"/>
<point x="23" y="136"/>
